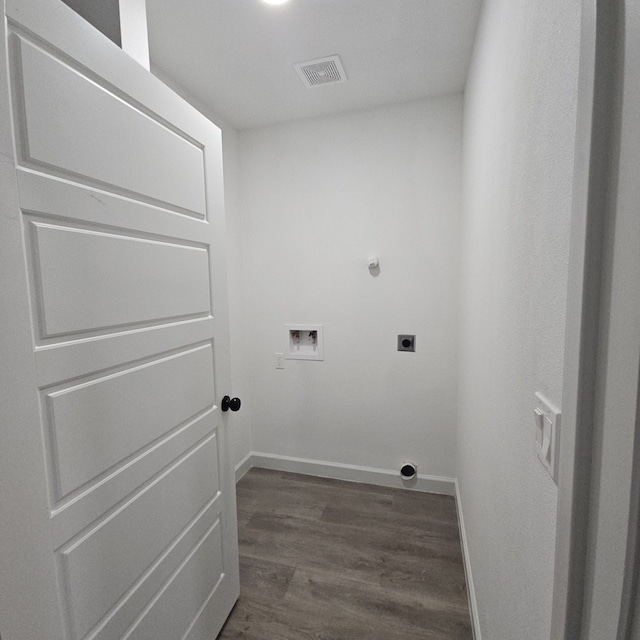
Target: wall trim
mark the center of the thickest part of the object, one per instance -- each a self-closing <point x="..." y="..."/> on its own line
<point x="244" y="465"/>
<point x="348" y="472"/>
<point x="471" y="592"/>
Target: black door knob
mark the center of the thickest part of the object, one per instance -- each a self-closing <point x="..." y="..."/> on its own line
<point x="230" y="403"/>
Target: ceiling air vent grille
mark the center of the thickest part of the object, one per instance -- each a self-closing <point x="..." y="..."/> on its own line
<point x="315" y="73"/>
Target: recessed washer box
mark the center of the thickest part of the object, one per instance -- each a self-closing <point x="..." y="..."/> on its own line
<point x="304" y="342"/>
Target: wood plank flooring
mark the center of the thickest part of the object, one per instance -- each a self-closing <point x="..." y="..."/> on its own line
<point x="322" y="559"/>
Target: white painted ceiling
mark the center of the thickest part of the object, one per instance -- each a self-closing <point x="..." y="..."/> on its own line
<point x="238" y="55"/>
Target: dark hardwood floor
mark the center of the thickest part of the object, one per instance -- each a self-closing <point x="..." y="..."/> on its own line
<point x="322" y="559"/>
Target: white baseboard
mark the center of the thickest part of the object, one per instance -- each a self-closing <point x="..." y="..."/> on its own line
<point x="244" y="465"/>
<point x="473" y="605"/>
<point x="348" y="472"/>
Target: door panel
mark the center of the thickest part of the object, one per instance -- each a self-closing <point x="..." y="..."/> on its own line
<point x="95" y="425"/>
<point x="104" y="562"/>
<point x="117" y="488"/>
<point x="175" y="608"/>
<point x="130" y="151"/>
<point x="159" y="576"/>
<point x="78" y="510"/>
<point x="94" y="280"/>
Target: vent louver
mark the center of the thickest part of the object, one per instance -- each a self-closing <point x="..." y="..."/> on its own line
<point x="315" y="73"/>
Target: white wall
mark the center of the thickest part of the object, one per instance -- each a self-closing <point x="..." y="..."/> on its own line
<point x="240" y="423"/>
<point x="318" y="197"/>
<point x="518" y="160"/>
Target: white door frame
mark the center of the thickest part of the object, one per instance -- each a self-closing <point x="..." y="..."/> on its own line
<point x="599" y="486"/>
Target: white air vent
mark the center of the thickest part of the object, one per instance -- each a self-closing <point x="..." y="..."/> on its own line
<point x="315" y="73"/>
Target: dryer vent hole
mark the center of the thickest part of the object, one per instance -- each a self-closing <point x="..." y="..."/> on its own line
<point x="408" y="471"/>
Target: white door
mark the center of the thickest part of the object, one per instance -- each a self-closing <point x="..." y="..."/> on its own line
<point x="117" y="512"/>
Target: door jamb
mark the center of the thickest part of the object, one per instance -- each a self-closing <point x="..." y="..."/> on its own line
<point x="602" y="36"/>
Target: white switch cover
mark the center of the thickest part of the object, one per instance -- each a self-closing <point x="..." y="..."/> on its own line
<point x="547" y="423"/>
<point x="279" y="357"/>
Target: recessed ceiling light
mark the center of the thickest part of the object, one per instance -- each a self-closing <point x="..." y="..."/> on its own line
<point x="275" y="1"/>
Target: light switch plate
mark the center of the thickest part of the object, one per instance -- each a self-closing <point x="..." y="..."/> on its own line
<point x="547" y="435"/>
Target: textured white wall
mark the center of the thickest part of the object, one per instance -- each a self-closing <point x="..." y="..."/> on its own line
<point x="518" y="161"/>
<point x="318" y="197"/>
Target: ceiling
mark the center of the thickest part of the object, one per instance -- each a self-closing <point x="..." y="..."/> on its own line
<point x="238" y="55"/>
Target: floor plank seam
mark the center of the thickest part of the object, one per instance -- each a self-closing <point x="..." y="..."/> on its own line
<point x="325" y="559"/>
